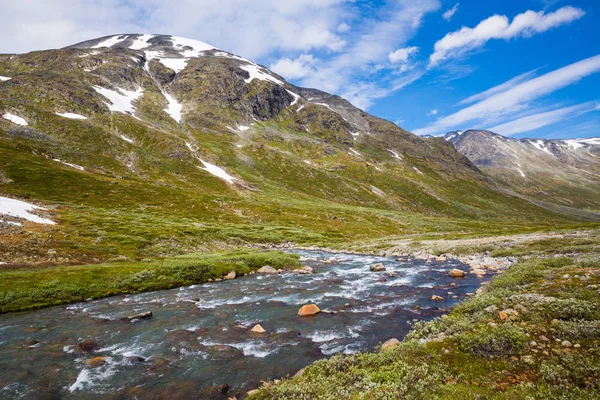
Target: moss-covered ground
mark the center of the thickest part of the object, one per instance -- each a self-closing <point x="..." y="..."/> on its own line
<point x="35" y="287"/>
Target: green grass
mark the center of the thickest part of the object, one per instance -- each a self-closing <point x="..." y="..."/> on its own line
<point x="461" y="356"/>
<point x="28" y="288"/>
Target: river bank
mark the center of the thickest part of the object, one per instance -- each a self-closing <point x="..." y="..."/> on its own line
<point x="532" y="332"/>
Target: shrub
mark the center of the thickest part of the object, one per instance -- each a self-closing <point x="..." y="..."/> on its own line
<point x="501" y="341"/>
<point x="570" y="309"/>
<point x="579" y="329"/>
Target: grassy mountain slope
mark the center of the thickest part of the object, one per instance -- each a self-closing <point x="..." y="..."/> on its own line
<point x="308" y="167"/>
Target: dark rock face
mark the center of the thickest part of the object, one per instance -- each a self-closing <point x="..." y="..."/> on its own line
<point x="161" y="73"/>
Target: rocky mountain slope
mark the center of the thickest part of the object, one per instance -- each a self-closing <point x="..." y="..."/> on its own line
<point x="565" y="172"/>
<point x="146" y="145"/>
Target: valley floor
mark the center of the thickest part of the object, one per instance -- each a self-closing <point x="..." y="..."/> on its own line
<point x="533" y="332"/>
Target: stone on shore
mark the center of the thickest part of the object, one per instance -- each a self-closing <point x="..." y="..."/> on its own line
<point x="309" y="309"/>
<point x="390" y="343"/>
<point x="267" y="270"/>
<point x="230" y="276"/>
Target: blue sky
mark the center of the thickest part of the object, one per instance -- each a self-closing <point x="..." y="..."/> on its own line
<point x="524" y="68"/>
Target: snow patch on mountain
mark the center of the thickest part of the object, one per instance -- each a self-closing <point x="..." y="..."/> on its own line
<point x="217" y="171"/>
<point x="71" y="116"/>
<point x="15" y="119"/>
<point x="69" y="164"/>
<point x="21" y="209"/>
<point x="120" y="100"/>
<point x="256" y="73"/>
<point x="196" y="46"/>
<point x="141" y="42"/>
<point x="4" y="78"/>
<point x="111" y="41"/>
<point x="174" y="108"/>
<point x="394" y="154"/>
<point x="296" y="97"/>
<point x="540" y="145"/>
<point x="125" y="138"/>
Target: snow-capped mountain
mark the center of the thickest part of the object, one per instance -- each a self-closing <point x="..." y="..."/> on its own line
<point x="563" y="171"/>
<point x="198" y="139"/>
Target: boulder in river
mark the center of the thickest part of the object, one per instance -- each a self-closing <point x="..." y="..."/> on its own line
<point x="267" y="270"/>
<point x="144" y="315"/>
<point x="308" y="309"/>
<point x="240" y="327"/>
<point x="457" y="273"/>
<point x="258" y="329"/>
<point x="390" y="343"/>
<point x="30" y="343"/>
<point x="88" y="345"/>
<point x="95" y="362"/>
<point x="377" y="267"/>
<point x="135" y="359"/>
<point x="437" y="298"/>
<point x="231" y="275"/>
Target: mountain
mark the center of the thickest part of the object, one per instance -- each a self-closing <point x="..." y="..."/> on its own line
<point x="564" y="172"/>
<point x="149" y="145"/>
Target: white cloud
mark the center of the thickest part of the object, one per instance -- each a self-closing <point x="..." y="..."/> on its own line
<point x="251" y="31"/>
<point x="294" y="69"/>
<point x="435" y="111"/>
<point x="526" y="24"/>
<point x="402" y="55"/>
<point x="343" y="27"/>
<point x="500" y="88"/>
<point x="539" y="120"/>
<point x="448" y="14"/>
<point x="514" y="99"/>
<point x="347" y="73"/>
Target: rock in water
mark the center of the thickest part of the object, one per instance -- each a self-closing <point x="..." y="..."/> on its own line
<point x="258" y="329"/>
<point x="378" y="267"/>
<point x="88" y="345"/>
<point x="96" y="362"/>
<point x="437" y="298"/>
<point x="230" y="276"/>
<point x="390" y="343"/>
<point x="309" y="309"/>
<point x="457" y="273"/>
<point x="267" y="270"/>
<point x="144" y="315"/>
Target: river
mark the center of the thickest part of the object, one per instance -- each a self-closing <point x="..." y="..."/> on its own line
<point x="191" y="345"/>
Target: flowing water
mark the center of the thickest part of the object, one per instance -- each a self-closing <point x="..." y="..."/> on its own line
<point x="191" y="343"/>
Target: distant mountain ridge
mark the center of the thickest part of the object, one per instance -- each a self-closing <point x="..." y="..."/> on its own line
<point x="565" y="172"/>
